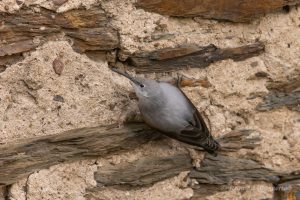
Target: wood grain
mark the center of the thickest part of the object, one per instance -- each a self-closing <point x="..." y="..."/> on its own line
<point x="143" y="172"/>
<point x="225" y="169"/>
<point x="28" y="28"/>
<point x="282" y="94"/>
<point x="189" y="56"/>
<point x="228" y="10"/>
<point x="219" y="170"/>
<point x="21" y="158"/>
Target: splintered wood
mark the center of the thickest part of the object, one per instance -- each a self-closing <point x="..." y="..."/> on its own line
<point x="189" y="56"/>
<point x="27" y="29"/>
<point x="228" y="10"/>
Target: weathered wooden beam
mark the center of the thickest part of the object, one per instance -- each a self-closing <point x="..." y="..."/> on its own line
<point x="276" y="100"/>
<point x="190" y="56"/>
<point x="282" y="94"/>
<point x="25" y="30"/>
<point x="19" y="159"/>
<point x="215" y="174"/>
<point x="214" y="170"/>
<point x="24" y="157"/>
<point x="218" y="170"/>
<point x="240" y="139"/>
<point x="224" y="169"/>
<point x="283" y="190"/>
<point x="143" y="172"/>
<point x="229" y="10"/>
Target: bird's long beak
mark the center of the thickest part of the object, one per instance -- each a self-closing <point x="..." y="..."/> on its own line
<point x="126" y="75"/>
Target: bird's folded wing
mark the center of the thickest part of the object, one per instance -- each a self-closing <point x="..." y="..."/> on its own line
<point x="197" y="121"/>
<point x="194" y="136"/>
<point x="200" y="123"/>
<point x="192" y="133"/>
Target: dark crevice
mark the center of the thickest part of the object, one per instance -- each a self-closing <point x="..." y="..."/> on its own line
<point x="286" y="8"/>
<point x="2" y="68"/>
<point x="7" y="194"/>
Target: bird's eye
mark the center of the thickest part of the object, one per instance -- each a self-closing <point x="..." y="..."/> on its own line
<point x="142" y="86"/>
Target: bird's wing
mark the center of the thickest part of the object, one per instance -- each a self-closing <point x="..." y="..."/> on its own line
<point x="197" y="133"/>
<point x="195" y="136"/>
<point x="192" y="133"/>
<point x="198" y="122"/>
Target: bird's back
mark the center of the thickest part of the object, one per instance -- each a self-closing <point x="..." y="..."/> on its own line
<point x="170" y="115"/>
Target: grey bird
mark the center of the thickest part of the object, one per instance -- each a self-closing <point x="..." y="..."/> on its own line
<point x="167" y="109"/>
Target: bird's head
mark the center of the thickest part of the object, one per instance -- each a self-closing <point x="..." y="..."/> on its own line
<point x="144" y="88"/>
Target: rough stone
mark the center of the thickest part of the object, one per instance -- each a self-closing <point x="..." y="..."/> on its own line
<point x="94" y="96"/>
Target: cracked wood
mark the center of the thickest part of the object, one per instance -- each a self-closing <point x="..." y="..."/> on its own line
<point x="190" y="56"/>
<point x="26" y="29"/>
<point x="282" y="94"/>
<point x="228" y="10"/>
<point x="214" y="170"/>
<point x="21" y="158"/>
<point x="215" y="174"/>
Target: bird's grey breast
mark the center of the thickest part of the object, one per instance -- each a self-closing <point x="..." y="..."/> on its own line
<point x="172" y="113"/>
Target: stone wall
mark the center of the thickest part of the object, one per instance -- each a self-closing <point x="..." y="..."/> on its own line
<point x="55" y="77"/>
